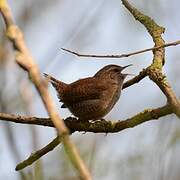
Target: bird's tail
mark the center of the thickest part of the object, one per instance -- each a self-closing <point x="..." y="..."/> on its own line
<point x="58" y="85"/>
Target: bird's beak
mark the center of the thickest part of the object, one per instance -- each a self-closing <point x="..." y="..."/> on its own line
<point x="126" y="66"/>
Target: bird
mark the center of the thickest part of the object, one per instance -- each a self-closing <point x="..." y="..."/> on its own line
<point x="93" y="97"/>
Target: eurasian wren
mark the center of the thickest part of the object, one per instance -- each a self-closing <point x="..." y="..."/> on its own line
<point x="93" y="97"/>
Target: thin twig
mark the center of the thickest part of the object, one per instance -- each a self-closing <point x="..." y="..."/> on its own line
<point x="26" y="61"/>
<point x="135" y="79"/>
<point x="175" y="43"/>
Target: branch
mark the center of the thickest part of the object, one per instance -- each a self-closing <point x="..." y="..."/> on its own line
<point x="26" y="61"/>
<point x="136" y="79"/>
<point x="154" y="71"/>
<point x="175" y="43"/>
<point x="74" y="125"/>
<point x="98" y="126"/>
<point x="38" y="154"/>
<point x="26" y="119"/>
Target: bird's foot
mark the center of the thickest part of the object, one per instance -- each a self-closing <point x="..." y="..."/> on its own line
<point x="71" y="118"/>
<point x="97" y="120"/>
<point x="101" y="120"/>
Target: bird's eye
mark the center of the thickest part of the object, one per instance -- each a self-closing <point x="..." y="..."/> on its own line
<point x="116" y="70"/>
<point x="114" y="73"/>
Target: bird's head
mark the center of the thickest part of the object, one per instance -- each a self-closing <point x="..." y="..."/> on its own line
<point x="113" y="72"/>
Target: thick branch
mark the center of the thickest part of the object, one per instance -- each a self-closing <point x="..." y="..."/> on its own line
<point x="26" y="61"/>
<point x="75" y="125"/>
<point x="97" y="127"/>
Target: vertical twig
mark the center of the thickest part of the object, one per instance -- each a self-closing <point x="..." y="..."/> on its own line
<point x="25" y="60"/>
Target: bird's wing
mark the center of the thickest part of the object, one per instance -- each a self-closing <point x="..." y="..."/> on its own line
<point x="83" y="90"/>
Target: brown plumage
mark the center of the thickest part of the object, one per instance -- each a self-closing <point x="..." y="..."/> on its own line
<point x="93" y="97"/>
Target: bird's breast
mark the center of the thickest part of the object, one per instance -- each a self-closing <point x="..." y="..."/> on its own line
<point x="112" y="96"/>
